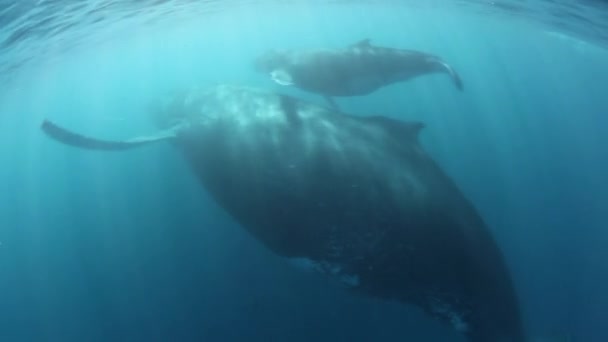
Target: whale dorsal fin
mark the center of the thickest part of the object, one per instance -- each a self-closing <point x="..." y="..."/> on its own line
<point x="363" y="43"/>
<point x="70" y="138"/>
<point x="408" y="130"/>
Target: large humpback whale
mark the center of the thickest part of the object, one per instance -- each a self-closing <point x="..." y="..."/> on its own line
<point x="357" y="69"/>
<point x="357" y="197"/>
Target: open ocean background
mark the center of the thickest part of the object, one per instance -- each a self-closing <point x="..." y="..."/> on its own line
<point x="130" y="247"/>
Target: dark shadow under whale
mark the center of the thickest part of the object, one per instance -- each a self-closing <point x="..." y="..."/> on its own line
<point x="356" y="197"/>
<point x="358" y="69"/>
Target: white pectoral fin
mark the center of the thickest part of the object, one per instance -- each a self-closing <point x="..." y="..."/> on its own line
<point x="67" y="137"/>
<point x="453" y="74"/>
<point x="282" y="77"/>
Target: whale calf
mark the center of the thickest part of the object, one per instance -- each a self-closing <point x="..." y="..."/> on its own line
<point x="356" y="197"/>
<point x="355" y="70"/>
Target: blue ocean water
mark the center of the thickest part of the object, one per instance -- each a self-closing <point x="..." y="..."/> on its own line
<point x="130" y="247"/>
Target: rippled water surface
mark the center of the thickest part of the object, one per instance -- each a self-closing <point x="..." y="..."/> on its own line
<point x="31" y="29"/>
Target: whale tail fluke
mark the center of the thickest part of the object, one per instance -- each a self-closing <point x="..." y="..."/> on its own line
<point x="453" y="74"/>
<point x="70" y="138"/>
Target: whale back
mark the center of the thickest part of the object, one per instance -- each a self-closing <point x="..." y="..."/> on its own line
<point x="358" y="197"/>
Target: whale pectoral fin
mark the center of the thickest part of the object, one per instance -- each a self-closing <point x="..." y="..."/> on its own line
<point x="70" y="138"/>
<point x="331" y="102"/>
<point x="454" y="75"/>
<point x="282" y="77"/>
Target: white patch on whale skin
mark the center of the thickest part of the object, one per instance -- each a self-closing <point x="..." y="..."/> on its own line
<point x="578" y="44"/>
<point x="281" y="77"/>
<point x="350" y="280"/>
<point x="303" y="264"/>
<point x="446" y="311"/>
<point x="459" y="324"/>
<point x="333" y="270"/>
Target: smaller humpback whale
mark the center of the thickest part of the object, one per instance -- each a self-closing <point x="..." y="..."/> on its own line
<point x="358" y="69"/>
<point x="355" y="197"/>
